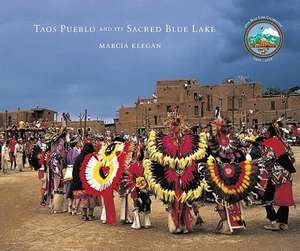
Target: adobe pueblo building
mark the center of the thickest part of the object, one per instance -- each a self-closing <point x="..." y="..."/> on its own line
<point x="241" y="103"/>
<point x="12" y="118"/>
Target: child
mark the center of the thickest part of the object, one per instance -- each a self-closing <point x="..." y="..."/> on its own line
<point x="142" y="204"/>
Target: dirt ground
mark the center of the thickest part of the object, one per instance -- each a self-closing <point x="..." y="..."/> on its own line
<point x="24" y="225"/>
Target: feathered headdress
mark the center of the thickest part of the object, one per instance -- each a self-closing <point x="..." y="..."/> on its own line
<point x="175" y="121"/>
<point x="218" y="122"/>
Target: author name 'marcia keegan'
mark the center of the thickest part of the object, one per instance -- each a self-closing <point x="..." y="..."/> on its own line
<point x="126" y="45"/>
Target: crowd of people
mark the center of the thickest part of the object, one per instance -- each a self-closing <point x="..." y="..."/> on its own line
<point x="181" y="168"/>
<point x="14" y="154"/>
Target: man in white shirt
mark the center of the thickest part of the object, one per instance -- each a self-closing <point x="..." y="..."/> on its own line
<point x="19" y="151"/>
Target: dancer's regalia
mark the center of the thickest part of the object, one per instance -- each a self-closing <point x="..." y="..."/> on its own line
<point x="38" y="160"/>
<point x="123" y="191"/>
<point x="101" y="173"/>
<point x="72" y="153"/>
<point x="49" y="165"/>
<point x="83" y="200"/>
<point x="56" y="165"/>
<point x="279" y="186"/>
<point x="231" y="177"/>
<point x="139" y="190"/>
<point x="142" y="204"/>
<point x="172" y="174"/>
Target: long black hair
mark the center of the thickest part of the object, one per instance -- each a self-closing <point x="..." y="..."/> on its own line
<point x="33" y="157"/>
<point x="87" y="148"/>
<point x="272" y="131"/>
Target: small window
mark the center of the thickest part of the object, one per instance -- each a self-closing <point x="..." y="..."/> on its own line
<point x="240" y="102"/>
<point x="196" y="110"/>
<point x="155" y="120"/>
<point x="9" y="120"/>
<point x="230" y="103"/>
<point x="208" y="103"/>
<point x="273" y="105"/>
<point x="195" y="96"/>
<point x="127" y="113"/>
<point x="168" y="108"/>
<point x="220" y="103"/>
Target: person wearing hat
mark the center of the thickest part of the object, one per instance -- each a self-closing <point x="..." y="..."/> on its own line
<point x="19" y="151"/>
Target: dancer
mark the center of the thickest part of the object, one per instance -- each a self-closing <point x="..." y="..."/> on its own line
<point x="279" y="186"/>
<point x="142" y="204"/>
<point x="171" y="171"/>
<point x="101" y="173"/>
<point x="38" y="160"/>
<point x="82" y="199"/>
<point x="140" y="192"/>
<point x="231" y="177"/>
<point x="71" y="156"/>
<point x="124" y="190"/>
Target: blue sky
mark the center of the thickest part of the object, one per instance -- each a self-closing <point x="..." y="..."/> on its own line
<point x="66" y="72"/>
<point x="257" y="29"/>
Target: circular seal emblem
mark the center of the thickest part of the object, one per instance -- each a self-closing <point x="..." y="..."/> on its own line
<point x="263" y="37"/>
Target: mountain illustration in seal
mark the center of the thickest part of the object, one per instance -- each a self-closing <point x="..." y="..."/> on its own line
<point x="268" y="38"/>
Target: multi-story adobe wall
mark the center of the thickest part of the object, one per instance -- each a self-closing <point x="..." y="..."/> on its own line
<point x="242" y="103"/>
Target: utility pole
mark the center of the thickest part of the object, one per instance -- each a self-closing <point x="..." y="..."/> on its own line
<point x="233" y="103"/>
<point x="18" y="116"/>
<point x="6" y="118"/>
<point x="231" y="81"/>
<point x="187" y="87"/>
<point x="80" y="123"/>
<point x="146" y="120"/>
<point x="85" y="118"/>
<point x="286" y="105"/>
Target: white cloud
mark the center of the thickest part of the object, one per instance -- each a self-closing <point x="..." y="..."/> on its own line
<point x="270" y="31"/>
